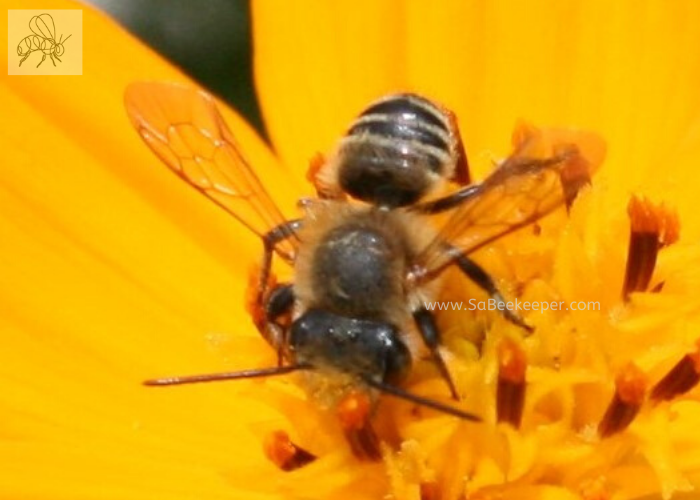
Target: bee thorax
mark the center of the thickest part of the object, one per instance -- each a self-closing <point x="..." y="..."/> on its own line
<point x="359" y="270"/>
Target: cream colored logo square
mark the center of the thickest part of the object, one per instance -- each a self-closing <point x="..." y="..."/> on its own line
<point x="45" y="42"/>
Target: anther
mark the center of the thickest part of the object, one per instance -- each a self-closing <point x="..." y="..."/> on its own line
<point x="429" y="491"/>
<point x="680" y="379"/>
<point x="595" y="489"/>
<point x="652" y="227"/>
<point x="630" y="390"/>
<point x="354" y="415"/>
<point x="510" y="392"/>
<point x="286" y="455"/>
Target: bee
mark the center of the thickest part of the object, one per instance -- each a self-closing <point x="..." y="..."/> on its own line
<point x="43" y="39"/>
<point x="354" y="316"/>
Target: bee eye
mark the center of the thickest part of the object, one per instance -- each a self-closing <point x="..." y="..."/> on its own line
<point x="398" y="361"/>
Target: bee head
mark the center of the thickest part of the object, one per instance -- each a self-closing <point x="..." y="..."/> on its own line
<point x="366" y="348"/>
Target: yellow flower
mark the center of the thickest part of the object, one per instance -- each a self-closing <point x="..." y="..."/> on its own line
<point x="115" y="271"/>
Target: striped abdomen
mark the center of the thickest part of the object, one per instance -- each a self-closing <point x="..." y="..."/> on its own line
<point x="396" y="150"/>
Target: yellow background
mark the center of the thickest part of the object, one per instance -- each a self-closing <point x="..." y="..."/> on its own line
<point x="67" y="22"/>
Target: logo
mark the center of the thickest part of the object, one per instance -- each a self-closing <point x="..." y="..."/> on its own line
<point x="45" y="42"/>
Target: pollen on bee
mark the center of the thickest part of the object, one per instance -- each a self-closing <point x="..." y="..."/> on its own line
<point x="680" y="379"/>
<point x="510" y="391"/>
<point x="652" y="227"/>
<point x="630" y="391"/>
<point x="286" y="455"/>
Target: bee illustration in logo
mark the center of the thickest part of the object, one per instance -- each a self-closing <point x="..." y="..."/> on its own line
<point x="366" y="255"/>
<point x="43" y="39"/>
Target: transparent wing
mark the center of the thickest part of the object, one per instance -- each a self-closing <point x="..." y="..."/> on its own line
<point x="43" y="26"/>
<point x="184" y="128"/>
<point x="523" y="189"/>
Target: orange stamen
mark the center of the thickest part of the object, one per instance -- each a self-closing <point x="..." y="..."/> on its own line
<point x="630" y="390"/>
<point x="595" y="489"/>
<point x="510" y="392"/>
<point x="652" y="227"/>
<point x="280" y="449"/>
<point x="429" y="491"/>
<point x="354" y="415"/>
<point x="575" y="174"/>
<point x="680" y="379"/>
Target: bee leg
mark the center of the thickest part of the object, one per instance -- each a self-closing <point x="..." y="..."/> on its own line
<point x="479" y="276"/>
<point x="461" y="175"/>
<point x="26" y="55"/>
<point x="42" y="60"/>
<point x="51" y="57"/>
<point x="323" y="190"/>
<point x="278" y="312"/>
<point x="425" y="321"/>
<point x="270" y="241"/>
<point x="447" y="202"/>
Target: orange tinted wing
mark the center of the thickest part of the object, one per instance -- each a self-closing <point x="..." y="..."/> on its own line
<point x="184" y="128"/>
<point x="519" y="192"/>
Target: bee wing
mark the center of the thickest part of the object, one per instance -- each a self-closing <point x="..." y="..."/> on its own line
<point x="43" y="26"/>
<point x="185" y="129"/>
<point x="523" y="189"/>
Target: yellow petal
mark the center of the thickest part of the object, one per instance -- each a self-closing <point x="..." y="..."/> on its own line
<point x="317" y="64"/>
<point x="115" y="271"/>
<point x="118" y="271"/>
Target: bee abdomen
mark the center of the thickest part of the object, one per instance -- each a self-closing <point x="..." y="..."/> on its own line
<point x="396" y="151"/>
<point x="406" y="119"/>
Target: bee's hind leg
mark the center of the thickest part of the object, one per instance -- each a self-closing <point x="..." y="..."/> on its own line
<point x="484" y="281"/>
<point x="43" y="58"/>
<point x="270" y="241"/>
<point x="324" y="189"/>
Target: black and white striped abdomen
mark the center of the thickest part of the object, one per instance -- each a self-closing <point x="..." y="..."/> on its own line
<point x="396" y="150"/>
<point x="406" y="119"/>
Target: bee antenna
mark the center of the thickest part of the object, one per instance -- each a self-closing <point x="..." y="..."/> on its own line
<point x="420" y="400"/>
<point x="218" y="377"/>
